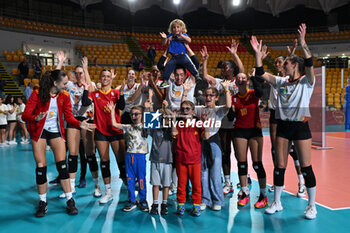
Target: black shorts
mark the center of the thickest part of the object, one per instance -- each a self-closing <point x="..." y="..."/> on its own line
<point x="12" y="121"/>
<point x="273" y="119"/>
<point x="79" y="118"/>
<point x="101" y="137"/>
<point x="3" y="126"/>
<point x="48" y="135"/>
<point x="293" y="130"/>
<point x="247" y="133"/>
<point x="126" y="118"/>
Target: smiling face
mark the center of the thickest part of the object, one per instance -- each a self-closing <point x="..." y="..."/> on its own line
<point x="187" y="110"/>
<point x="131" y="76"/>
<point x="176" y="28"/>
<point x="279" y="61"/>
<point x="179" y="76"/>
<point x="226" y="70"/>
<point x="61" y="85"/>
<point x="105" y="78"/>
<point x="136" y="116"/>
<point x="79" y="74"/>
<point x="210" y="98"/>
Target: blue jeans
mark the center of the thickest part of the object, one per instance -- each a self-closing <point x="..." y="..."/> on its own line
<point x="135" y="166"/>
<point x="181" y="59"/>
<point x="212" y="193"/>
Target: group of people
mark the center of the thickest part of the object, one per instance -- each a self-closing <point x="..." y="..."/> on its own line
<point x="193" y="144"/>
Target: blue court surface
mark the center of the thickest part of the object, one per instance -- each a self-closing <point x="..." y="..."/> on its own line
<point x="19" y="199"/>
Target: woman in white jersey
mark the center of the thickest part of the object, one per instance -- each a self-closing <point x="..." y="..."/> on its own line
<point x="3" y="122"/>
<point x="11" y="119"/>
<point x="292" y="110"/>
<point x="20" y="123"/>
<point x="44" y="114"/>
<point x="229" y="71"/>
<point x="76" y="92"/>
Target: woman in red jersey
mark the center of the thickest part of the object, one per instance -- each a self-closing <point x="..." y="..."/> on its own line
<point x="44" y="114"/>
<point x="105" y="134"/>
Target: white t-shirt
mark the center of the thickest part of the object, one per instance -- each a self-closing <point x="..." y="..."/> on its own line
<point x="215" y="115"/>
<point x="20" y="109"/>
<point x="135" y="141"/>
<point x="157" y="103"/>
<point x="51" y="122"/>
<point x="3" y="116"/>
<point x="11" y="116"/>
<point x="129" y="92"/>
<point x="226" y="124"/>
<point x="76" y="96"/>
<point x="174" y="94"/>
<point x="293" y="98"/>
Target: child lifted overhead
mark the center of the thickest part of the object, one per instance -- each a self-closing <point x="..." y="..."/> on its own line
<point x="177" y="39"/>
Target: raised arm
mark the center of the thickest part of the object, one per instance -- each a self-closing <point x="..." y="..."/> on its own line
<point x="164" y="38"/>
<point x="111" y="107"/>
<point x="158" y="92"/>
<point x="257" y="47"/>
<point x="225" y="85"/>
<point x="309" y="68"/>
<point x="139" y="89"/>
<point x="61" y="58"/>
<point x="85" y="63"/>
<point x="210" y="79"/>
<point x="233" y="50"/>
<point x="187" y="86"/>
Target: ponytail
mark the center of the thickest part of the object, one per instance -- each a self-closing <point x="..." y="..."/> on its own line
<point x="47" y="82"/>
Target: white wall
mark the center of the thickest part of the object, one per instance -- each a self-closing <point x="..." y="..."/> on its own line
<point x="12" y="41"/>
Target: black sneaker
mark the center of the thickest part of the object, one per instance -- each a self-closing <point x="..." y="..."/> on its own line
<point x="42" y="209"/>
<point x="144" y="206"/>
<point x="71" y="209"/>
<point x="164" y="209"/>
<point x="154" y="209"/>
<point x="163" y="85"/>
<point x="55" y="181"/>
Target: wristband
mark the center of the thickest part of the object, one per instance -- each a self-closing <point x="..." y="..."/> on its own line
<point x="308" y="62"/>
<point x="227" y="91"/>
<point x="259" y="71"/>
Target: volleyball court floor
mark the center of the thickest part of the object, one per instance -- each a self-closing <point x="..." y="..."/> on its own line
<point x="19" y="199"/>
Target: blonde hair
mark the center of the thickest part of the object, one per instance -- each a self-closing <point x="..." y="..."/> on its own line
<point x="179" y="22"/>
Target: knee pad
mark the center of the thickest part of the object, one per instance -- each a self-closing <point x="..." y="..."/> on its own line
<point x="122" y="171"/>
<point x="242" y="168"/>
<point x="72" y="163"/>
<point x="309" y="176"/>
<point x="278" y="176"/>
<point x="40" y="173"/>
<point x="273" y="153"/>
<point x="62" y="170"/>
<point x="105" y="170"/>
<point x="259" y="169"/>
<point x="92" y="163"/>
<point x="293" y="153"/>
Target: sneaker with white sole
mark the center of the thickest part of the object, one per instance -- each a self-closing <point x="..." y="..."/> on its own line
<point x="228" y="188"/>
<point x="63" y="195"/>
<point x="272" y="189"/>
<point x="301" y="190"/>
<point x="97" y="192"/>
<point x="106" y="198"/>
<point x="12" y="143"/>
<point x="273" y="208"/>
<point x="310" y="212"/>
<point x="203" y="206"/>
<point x="216" y="207"/>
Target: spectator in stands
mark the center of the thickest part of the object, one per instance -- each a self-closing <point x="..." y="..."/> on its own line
<point x="28" y="90"/>
<point x="141" y="64"/>
<point x="151" y="54"/>
<point x="2" y="86"/>
<point x="134" y="62"/>
<point x="23" y="71"/>
<point x="38" y="68"/>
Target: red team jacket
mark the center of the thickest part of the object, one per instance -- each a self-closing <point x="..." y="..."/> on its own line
<point x="35" y="106"/>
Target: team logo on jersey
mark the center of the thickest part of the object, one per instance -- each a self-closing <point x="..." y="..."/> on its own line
<point x="151" y="120"/>
<point x="112" y="93"/>
<point x="177" y="94"/>
<point x="97" y="95"/>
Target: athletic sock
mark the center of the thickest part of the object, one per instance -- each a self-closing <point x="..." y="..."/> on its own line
<point x="165" y="202"/>
<point x="95" y="181"/>
<point x="245" y="190"/>
<point x="42" y="197"/>
<point x="68" y="196"/>
<point x="108" y="188"/>
<point x="278" y="193"/>
<point x="301" y="179"/>
<point x="227" y="179"/>
<point x="155" y="202"/>
<point x="312" y="195"/>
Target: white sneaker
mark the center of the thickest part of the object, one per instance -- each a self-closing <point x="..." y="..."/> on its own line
<point x="301" y="190"/>
<point x="310" y="212"/>
<point x="216" y="207"/>
<point x="228" y="188"/>
<point x="203" y="206"/>
<point x="97" y="192"/>
<point x="2" y="145"/>
<point x="273" y="208"/>
<point x="12" y="143"/>
<point x="106" y="198"/>
<point x="173" y="189"/>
